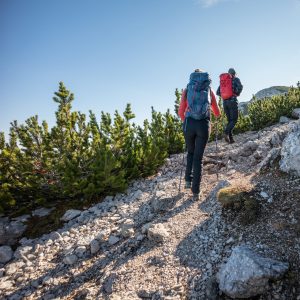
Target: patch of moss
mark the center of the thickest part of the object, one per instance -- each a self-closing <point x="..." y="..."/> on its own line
<point x="242" y="200"/>
<point x="231" y="197"/>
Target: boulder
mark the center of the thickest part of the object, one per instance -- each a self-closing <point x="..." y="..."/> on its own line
<point x="6" y="254"/>
<point x="290" y="152"/>
<point x="246" y="274"/>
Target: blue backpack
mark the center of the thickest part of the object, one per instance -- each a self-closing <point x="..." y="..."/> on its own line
<point x="198" y="96"/>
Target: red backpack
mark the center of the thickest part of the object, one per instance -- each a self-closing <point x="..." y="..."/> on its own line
<point x="226" y="86"/>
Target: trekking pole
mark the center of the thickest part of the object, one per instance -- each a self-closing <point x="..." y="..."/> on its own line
<point x="181" y="170"/>
<point x="216" y="141"/>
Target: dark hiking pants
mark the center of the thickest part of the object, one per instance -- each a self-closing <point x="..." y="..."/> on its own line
<point x="196" y="133"/>
<point x="232" y="114"/>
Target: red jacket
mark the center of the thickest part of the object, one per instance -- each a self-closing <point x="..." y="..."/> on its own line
<point x="184" y="105"/>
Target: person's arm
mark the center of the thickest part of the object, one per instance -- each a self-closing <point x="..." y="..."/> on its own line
<point x="214" y="104"/>
<point x="183" y="105"/>
<point x="238" y="87"/>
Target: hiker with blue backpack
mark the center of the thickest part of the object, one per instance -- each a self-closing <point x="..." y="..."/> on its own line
<point x="197" y="101"/>
<point x="230" y="88"/>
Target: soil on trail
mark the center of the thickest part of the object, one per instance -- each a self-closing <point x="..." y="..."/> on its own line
<point x="199" y="235"/>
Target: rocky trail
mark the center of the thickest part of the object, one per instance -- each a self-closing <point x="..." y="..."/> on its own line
<point x="154" y="242"/>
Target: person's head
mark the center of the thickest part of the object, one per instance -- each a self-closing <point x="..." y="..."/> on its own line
<point x="232" y="71"/>
<point x="198" y="71"/>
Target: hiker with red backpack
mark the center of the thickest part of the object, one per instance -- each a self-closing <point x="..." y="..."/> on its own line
<point x="230" y="88"/>
<point x="197" y="101"/>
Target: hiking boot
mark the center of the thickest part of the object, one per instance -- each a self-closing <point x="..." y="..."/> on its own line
<point x="232" y="141"/>
<point x="227" y="138"/>
<point x="187" y="185"/>
<point x="196" y="197"/>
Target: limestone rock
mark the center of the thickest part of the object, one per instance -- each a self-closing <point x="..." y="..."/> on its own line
<point x="6" y="284"/>
<point x="70" y="259"/>
<point x="113" y="240"/>
<point x="80" y="251"/>
<point x="290" y="152"/>
<point x="14" y="268"/>
<point x="296" y="113"/>
<point x="269" y="159"/>
<point x="42" y="212"/>
<point x="95" y="246"/>
<point x="249" y="148"/>
<point x="246" y="274"/>
<point x="70" y="214"/>
<point x="162" y="202"/>
<point x="6" y="254"/>
<point x="10" y="231"/>
<point x="157" y="233"/>
<point x="23" y="250"/>
<point x="284" y="119"/>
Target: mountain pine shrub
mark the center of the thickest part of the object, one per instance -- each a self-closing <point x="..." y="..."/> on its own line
<point x="80" y="157"/>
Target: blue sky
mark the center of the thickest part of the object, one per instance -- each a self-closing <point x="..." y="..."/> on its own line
<point x="113" y="52"/>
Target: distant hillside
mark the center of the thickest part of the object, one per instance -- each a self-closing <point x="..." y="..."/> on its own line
<point x="264" y="93"/>
<point x="271" y="91"/>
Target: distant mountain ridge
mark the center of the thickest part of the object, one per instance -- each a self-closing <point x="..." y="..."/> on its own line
<point x="264" y="93"/>
<point x="271" y="91"/>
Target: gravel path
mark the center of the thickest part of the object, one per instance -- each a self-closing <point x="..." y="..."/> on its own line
<point x="156" y="243"/>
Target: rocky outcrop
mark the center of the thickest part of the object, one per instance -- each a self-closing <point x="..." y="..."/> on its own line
<point x="290" y="152"/>
<point x="246" y="274"/>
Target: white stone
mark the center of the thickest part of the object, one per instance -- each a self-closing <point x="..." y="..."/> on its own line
<point x="264" y="195"/>
<point x="157" y="233"/>
<point x="14" y="267"/>
<point x="6" y="285"/>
